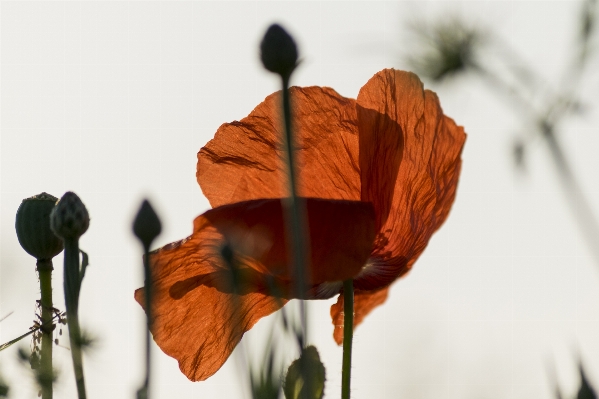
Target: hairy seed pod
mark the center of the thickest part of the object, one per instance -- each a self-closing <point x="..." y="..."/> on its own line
<point x="69" y="218"/>
<point x="33" y="227"/>
<point x="305" y="376"/>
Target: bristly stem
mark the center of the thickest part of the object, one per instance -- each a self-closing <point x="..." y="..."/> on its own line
<point x="348" y="332"/>
<point x="144" y="392"/>
<point x="72" y="283"/>
<point x="44" y="268"/>
<point x="295" y="213"/>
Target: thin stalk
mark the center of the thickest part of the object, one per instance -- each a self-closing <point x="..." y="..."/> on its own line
<point x="295" y="213"/>
<point x="580" y="206"/>
<point x="348" y="333"/>
<point x="71" y="289"/>
<point x="582" y="210"/>
<point x="144" y="392"/>
<point x="44" y="268"/>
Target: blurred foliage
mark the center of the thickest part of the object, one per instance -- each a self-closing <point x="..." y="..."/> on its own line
<point x="585" y="391"/>
<point x="452" y="47"/>
<point x="265" y="383"/>
<point x="447" y="48"/>
<point x="31" y="360"/>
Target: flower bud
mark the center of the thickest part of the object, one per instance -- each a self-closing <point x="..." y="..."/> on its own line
<point x="278" y="51"/>
<point x="69" y="218"/>
<point x="305" y="377"/>
<point x="33" y="227"/>
<point x="146" y="225"/>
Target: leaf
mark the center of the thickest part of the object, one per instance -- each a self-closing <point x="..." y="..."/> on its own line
<point x="305" y="376"/>
<point x="84" y="264"/>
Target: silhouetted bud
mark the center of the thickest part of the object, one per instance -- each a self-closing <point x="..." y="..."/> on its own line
<point x="307" y="372"/>
<point x="146" y="225"/>
<point x="33" y="227"/>
<point x="278" y="51"/>
<point x="69" y="218"/>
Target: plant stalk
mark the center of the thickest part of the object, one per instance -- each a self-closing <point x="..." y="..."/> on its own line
<point x="44" y="268"/>
<point x="144" y="392"/>
<point x="296" y="215"/>
<point x="72" y="282"/>
<point x="348" y="332"/>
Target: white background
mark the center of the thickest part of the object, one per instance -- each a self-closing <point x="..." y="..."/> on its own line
<point x="113" y="100"/>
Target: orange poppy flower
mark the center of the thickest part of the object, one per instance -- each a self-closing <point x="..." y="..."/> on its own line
<point x="381" y="168"/>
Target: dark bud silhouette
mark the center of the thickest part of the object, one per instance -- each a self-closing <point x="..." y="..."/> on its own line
<point x="69" y="218"/>
<point x="33" y="227"/>
<point x="146" y="225"/>
<point x="278" y="51"/>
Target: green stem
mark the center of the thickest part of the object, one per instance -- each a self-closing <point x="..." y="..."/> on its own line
<point x="348" y="332"/>
<point x="295" y="213"/>
<point x="72" y="281"/>
<point x="44" y="268"/>
<point x="144" y="392"/>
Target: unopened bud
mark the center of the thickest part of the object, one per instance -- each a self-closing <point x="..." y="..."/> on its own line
<point x="33" y="227"/>
<point x="69" y="218"/>
<point x="305" y="377"/>
<point x="146" y="225"/>
<point x="278" y="51"/>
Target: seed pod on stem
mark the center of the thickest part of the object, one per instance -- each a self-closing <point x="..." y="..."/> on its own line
<point x="69" y="220"/>
<point x="147" y="227"/>
<point x="32" y="225"/>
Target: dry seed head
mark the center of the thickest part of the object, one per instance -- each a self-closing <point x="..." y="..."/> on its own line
<point x="32" y="224"/>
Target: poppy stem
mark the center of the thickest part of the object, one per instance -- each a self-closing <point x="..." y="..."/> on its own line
<point x="44" y="268"/>
<point x="144" y="391"/>
<point x="348" y="333"/>
<point x="295" y="213"/>
<point x="72" y="285"/>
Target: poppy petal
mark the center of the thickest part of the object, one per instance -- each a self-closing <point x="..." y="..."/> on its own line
<point x="364" y="303"/>
<point x="245" y="161"/>
<point x="200" y="315"/>
<point x="410" y="162"/>
<point x="341" y="235"/>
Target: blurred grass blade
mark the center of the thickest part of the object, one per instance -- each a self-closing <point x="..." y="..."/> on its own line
<point x="14" y="341"/>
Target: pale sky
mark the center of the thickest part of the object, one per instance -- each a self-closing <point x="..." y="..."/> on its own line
<point x="113" y="100"/>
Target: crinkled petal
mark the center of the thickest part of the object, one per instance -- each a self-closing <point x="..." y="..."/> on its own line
<point x="410" y="162"/>
<point x="200" y="315"/>
<point x="364" y="303"/>
<point x="245" y="161"/>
